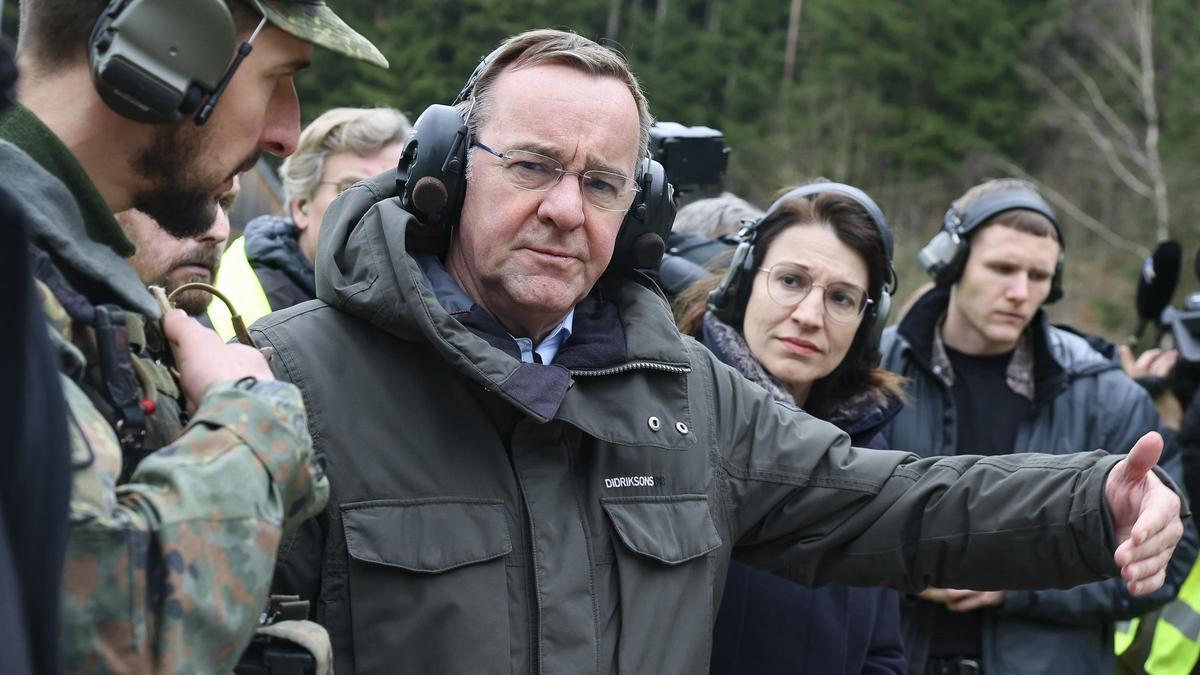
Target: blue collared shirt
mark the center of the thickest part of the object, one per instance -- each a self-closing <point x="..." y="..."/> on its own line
<point x="454" y="299"/>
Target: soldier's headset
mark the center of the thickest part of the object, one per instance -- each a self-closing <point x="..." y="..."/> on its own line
<point x="432" y="184"/>
<point x="944" y="257"/>
<point x="728" y="301"/>
<point x="158" y="61"/>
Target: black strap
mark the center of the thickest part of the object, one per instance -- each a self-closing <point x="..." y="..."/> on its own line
<point x="119" y="384"/>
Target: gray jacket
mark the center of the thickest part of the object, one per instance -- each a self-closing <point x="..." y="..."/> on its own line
<point x="493" y="516"/>
<point x="1082" y="399"/>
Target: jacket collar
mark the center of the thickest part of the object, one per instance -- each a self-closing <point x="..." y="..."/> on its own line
<point x="1039" y="368"/>
<point x="23" y="129"/>
<point x="274" y="241"/>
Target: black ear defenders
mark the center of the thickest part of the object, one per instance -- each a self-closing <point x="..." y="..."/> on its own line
<point x="432" y="184"/>
<point x="728" y="301"/>
<point x="157" y="61"/>
<point x="944" y="257"/>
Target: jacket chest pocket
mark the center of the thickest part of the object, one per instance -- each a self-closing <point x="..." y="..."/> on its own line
<point x="665" y="564"/>
<point x="428" y="586"/>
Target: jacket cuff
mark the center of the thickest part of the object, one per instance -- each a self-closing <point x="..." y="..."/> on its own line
<point x="1016" y="602"/>
<point x="1092" y="492"/>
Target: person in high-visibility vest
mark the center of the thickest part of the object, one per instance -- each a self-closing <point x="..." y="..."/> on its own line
<point x="270" y="267"/>
<point x="164" y="260"/>
<point x="1167" y="641"/>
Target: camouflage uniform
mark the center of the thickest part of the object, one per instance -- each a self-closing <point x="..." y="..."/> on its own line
<point x="171" y="552"/>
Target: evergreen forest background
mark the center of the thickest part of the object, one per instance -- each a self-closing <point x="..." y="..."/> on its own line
<point x="1096" y="100"/>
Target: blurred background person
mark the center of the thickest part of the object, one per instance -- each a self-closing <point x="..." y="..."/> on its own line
<point x="701" y="239"/>
<point x="270" y="267"/>
<point x="168" y="261"/>
<point x="700" y="226"/>
<point x="799" y="322"/>
<point x="987" y="373"/>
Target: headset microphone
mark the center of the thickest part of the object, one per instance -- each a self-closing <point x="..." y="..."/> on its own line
<point x="1157" y="283"/>
<point x="243" y="51"/>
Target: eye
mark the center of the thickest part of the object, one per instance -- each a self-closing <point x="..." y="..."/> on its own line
<point x="843" y="298"/>
<point x="601" y="184"/>
<point x="789" y="280"/>
<point x="531" y="166"/>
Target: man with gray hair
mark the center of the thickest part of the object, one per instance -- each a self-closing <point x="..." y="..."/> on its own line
<point x="271" y="266"/>
<point x="532" y="471"/>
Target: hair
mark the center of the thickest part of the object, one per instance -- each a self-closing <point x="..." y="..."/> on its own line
<point x="716" y="216"/>
<point x="853" y="226"/>
<point x="362" y="131"/>
<point x="54" y="34"/>
<point x="539" y="47"/>
<point x="1023" y="220"/>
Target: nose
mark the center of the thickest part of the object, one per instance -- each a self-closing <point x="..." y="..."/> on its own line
<point x="1018" y="290"/>
<point x="281" y="129"/>
<point x="563" y="203"/>
<point x="810" y="312"/>
<point x="218" y="233"/>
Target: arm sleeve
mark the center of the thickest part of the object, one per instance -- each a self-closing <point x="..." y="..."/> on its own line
<point x="803" y="503"/>
<point x="1110" y="600"/>
<point x="170" y="571"/>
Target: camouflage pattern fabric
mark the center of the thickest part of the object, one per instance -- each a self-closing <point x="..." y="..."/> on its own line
<point x="169" y="571"/>
<point x="313" y="21"/>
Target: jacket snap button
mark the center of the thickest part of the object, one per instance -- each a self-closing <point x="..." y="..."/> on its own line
<point x="654" y="423"/>
<point x="681" y="428"/>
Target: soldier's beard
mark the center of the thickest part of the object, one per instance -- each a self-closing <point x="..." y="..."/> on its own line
<point x="182" y="197"/>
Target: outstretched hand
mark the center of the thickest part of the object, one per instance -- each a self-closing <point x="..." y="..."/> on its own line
<point x="1145" y="515"/>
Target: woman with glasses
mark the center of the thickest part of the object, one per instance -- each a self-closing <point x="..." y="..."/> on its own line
<point x="817" y="267"/>
<point x="270" y="267"/>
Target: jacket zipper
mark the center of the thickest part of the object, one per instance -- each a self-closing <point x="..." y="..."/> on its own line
<point x="633" y="365"/>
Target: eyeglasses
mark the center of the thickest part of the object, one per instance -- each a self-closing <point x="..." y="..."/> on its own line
<point x="340" y="185"/>
<point x="537" y="173"/>
<point x="789" y="285"/>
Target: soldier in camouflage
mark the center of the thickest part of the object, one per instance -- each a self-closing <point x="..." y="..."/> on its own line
<point x="174" y="518"/>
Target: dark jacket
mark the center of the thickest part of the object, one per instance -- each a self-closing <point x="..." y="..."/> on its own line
<point x="1082" y="399"/>
<point x="493" y="516"/>
<point x="273" y="249"/>
<point x="769" y="625"/>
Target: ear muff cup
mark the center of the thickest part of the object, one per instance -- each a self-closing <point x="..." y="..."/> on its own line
<point x="155" y="61"/>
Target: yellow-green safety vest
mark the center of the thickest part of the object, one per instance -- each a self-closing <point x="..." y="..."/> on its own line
<point x="1175" y="646"/>
<point x="237" y="280"/>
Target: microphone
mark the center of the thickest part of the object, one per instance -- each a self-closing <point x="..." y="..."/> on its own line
<point x="243" y="51"/>
<point x="1196" y="264"/>
<point x="1157" y="282"/>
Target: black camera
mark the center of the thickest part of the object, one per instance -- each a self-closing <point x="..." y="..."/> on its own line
<point x="692" y="156"/>
<point x="1185" y="327"/>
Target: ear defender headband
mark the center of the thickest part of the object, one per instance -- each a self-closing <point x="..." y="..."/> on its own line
<point x="944" y="257"/>
<point x="728" y="301"/>
<point x="433" y="182"/>
<point x="157" y="61"/>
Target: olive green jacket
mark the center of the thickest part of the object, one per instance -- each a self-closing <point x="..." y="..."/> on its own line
<point x="493" y="516"/>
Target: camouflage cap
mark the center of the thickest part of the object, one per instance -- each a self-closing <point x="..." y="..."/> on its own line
<point x="313" y="21"/>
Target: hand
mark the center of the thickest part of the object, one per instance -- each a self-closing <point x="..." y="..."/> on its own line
<point x="1159" y="364"/>
<point x="962" y="600"/>
<point x="202" y="359"/>
<point x="1151" y="363"/>
<point x="1145" y="516"/>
